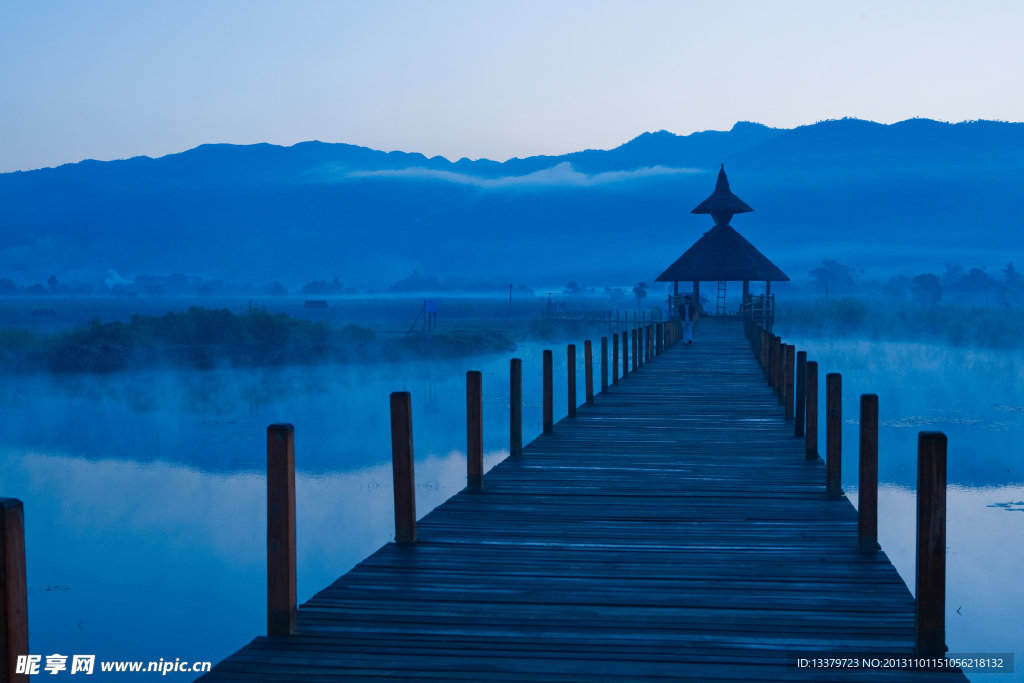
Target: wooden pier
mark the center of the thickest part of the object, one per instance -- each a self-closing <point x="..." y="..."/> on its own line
<point x="672" y="529"/>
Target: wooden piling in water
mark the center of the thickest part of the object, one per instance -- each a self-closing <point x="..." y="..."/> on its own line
<point x="282" y="596"/>
<point x="571" y="358"/>
<point x="548" y="400"/>
<point x="790" y="369"/>
<point x="588" y="371"/>
<point x="474" y="430"/>
<point x="13" y="589"/>
<point x="833" y="434"/>
<point x="403" y="476"/>
<point x="867" y="482"/>
<point x="930" y="576"/>
<point x="800" y="409"/>
<point x="811" y="429"/>
<point x="515" y="400"/>
<point x="615" y="358"/>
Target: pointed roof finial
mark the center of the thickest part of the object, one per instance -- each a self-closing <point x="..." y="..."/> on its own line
<point x="722" y="203"/>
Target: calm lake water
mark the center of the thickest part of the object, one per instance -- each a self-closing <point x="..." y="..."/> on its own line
<point x="976" y="397"/>
<point x="145" y="498"/>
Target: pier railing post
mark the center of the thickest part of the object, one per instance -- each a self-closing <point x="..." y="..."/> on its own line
<point x="633" y="341"/>
<point x="615" y="358"/>
<point x="833" y="434"/>
<point x="780" y="359"/>
<point x="403" y="476"/>
<point x="474" y="430"/>
<point x="625" y="354"/>
<point x="571" y="357"/>
<point x="588" y="370"/>
<point x="780" y="380"/>
<point x="281" y="581"/>
<point x="548" y="400"/>
<point x="765" y="351"/>
<point x="800" y="409"/>
<point x="811" y="447"/>
<point x="867" y="484"/>
<point x="790" y="363"/>
<point x="604" y="364"/>
<point x="13" y="589"/>
<point x="930" y="579"/>
<point x="515" y="401"/>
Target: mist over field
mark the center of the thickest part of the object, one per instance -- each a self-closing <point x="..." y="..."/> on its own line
<point x="886" y="199"/>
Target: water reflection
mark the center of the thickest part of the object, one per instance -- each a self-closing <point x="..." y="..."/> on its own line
<point x="145" y="497"/>
<point x="977" y="399"/>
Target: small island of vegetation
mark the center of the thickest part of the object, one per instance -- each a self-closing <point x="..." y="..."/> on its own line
<point x="207" y="338"/>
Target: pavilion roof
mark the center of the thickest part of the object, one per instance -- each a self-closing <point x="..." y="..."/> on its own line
<point x="722" y="254"/>
<point x="722" y="200"/>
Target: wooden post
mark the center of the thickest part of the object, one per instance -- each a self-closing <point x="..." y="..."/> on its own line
<point x="780" y="358"/>
<point x="515" y="401"/>
<point x="13" y="589"/>
<point x="474" y="430"/>
<point x="404" y="478"/>
<point x="790" y="363"/>
<point x="769" y="371"/>
<point x="633" y="341"/>
<point x="801" y="392"/>
<point x="833" y="434"/>
<point x="549" y="401"/>
<point x="571" y="357"/>
<point x="649" y="342"/>
<point x="765" y="350"/>
<point x="604" y="364"/>
<point x="588" y="370"/>
<point x="930" y="579"/>
<point x="780" y="380"/>
<point x="867" y="495"/>
<point x="811" y="391"/>
<point x="282" y="596"/>
<point x="625" y="354"/>
<point x="615" y="358"/>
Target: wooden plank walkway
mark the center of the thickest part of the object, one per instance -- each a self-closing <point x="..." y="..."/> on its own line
<point x="672" y="530"/>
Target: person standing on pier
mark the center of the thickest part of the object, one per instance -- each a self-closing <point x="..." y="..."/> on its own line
<point x="687" y="312"/>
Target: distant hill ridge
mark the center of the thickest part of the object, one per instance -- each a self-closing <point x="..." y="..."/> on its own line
<point x="846" y="188"/>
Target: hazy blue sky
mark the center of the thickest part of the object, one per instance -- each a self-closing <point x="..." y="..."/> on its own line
<point x="108" y="80"/>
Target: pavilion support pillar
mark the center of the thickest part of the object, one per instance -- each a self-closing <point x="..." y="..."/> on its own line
<point x="696" y="299"/>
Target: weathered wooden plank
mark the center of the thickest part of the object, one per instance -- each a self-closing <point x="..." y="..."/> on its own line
<point x="675" y="528"/>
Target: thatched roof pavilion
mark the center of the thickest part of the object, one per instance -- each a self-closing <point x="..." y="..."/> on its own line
<point x="722" y="254"/>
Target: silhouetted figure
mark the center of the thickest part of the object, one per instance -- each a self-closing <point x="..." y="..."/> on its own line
<point x="687" y="312"/>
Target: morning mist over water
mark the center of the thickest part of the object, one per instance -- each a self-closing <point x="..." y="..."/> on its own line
<point x="219" y="217"/>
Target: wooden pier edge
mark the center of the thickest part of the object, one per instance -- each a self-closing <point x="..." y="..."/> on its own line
<point x="447" y="617"/>
<point x="13" y="589"/>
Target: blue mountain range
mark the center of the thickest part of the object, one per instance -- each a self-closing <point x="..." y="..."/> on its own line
<point x="900" y="198"/>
